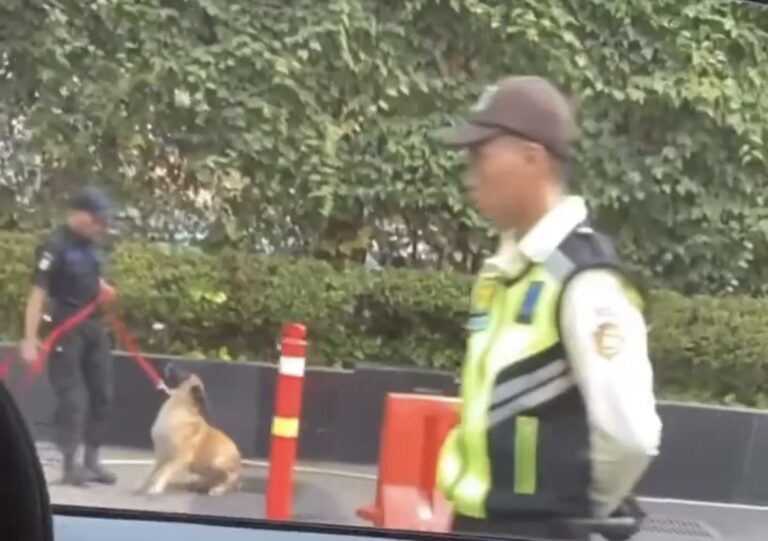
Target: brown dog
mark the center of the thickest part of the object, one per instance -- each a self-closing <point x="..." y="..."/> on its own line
<point x="185" y="442"/>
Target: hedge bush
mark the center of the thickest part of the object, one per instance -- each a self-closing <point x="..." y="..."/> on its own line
<point x="231" y="306"/>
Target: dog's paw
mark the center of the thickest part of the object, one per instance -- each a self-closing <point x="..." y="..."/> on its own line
<point x="154" y="490"/>
<point x="218" y="490"/>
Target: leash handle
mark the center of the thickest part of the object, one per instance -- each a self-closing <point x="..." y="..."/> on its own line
<point x="37" y="366"/>
<point x="107" y="295"/>
<point x="60" y="330"/>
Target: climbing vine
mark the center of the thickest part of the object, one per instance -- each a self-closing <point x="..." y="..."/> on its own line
<point x="303" y="126"/>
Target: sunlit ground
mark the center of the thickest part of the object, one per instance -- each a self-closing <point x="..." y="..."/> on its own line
<point x="318" y="496"/>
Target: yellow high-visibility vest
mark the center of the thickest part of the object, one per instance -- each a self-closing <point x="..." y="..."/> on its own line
<point x="522" y="445"/>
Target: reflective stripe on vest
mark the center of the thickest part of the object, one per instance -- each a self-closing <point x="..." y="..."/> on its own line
<point x="509" y="323"/>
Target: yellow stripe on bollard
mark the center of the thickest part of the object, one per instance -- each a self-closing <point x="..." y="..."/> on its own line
<point x="285" y="427"/>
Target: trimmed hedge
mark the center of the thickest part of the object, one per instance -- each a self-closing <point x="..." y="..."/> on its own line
<point x="231" y="306"/>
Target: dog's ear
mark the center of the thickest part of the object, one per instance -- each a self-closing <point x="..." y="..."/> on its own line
<point x="170" y="375"/>
<point x="174" y="375"/>
<point x="198" y="395"/>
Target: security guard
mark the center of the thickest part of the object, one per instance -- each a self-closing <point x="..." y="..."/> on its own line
<point x="68" y="272"/>
<point x="558" y="415"/>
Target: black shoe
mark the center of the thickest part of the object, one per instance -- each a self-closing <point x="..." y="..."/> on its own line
<point x="74" y="475"/>
<point x="95" y="472"/>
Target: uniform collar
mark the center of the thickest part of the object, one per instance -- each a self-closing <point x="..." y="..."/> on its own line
<point x="543" y="239"/>
<point x="75" y="237"/>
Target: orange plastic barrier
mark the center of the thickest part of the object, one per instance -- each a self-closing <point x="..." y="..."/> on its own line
<point x="415" y="427"/>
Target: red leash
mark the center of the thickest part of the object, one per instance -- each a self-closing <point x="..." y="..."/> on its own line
<point x="133" y="349"/>
<point x="36" y="368"/>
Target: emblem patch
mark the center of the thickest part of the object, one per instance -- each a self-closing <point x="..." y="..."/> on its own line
<point x="480" y="305"/>
<point x="482" y="296"/>
<point x="45" y="261"/>
<point x="609" y="340"/>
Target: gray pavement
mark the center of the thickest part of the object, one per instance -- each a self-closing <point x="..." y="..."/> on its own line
<point x="331" y="493"/>
<point x="318" y="497"/>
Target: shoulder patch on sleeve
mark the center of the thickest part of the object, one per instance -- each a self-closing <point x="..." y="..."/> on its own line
<point x="45" y="261"/>
<point x="609" y="339"/>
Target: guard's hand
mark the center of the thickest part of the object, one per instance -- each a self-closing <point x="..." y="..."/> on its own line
<point x="630" y="507"/>
<point x="28" y="351"/>
<point x="107" y="293"/>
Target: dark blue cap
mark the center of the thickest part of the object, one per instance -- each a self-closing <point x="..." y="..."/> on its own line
<point x="92" y="200"/>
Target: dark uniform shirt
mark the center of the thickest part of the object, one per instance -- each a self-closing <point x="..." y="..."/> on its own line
<point x="68" y="268"/>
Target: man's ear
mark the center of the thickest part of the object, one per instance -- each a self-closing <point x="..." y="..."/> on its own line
<point x="198" y="395"/>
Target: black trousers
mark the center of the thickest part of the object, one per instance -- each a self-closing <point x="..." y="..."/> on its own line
<point x="81" y="360"/>
<point x="543" y="529"/>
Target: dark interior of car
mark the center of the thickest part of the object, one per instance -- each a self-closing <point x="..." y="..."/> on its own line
<point x="26" y="509"/>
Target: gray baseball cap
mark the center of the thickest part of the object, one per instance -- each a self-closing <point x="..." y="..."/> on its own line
<point x="526" y="106"/>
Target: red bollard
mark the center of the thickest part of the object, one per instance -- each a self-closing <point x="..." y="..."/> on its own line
<point x="413" y="432"/>
<point x="285" y="424"/>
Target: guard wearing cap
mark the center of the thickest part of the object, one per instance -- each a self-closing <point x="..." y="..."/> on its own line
<point x="68" y="273"/>
<point x="558" y="414"/>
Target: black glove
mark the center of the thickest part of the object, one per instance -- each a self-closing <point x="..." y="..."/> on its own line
<point x="629" y="508"/>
